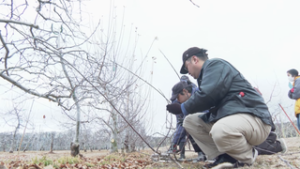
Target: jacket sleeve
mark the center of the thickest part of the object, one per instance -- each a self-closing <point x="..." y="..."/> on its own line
<point x="296" y="94"/>
<point x="216" y="81"/>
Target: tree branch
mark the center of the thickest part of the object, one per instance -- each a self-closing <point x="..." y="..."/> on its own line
<point x="6" y="54"/>
<point x="19" y="23"/>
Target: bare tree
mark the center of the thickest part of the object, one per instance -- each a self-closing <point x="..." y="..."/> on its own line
<point x="46" y="52"/>
<point x="13" y="119"/>
<point x="39" y="43"/>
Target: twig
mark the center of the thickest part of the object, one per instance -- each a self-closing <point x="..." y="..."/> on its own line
<point x="165" y="136"/>
<point x="291" y="153"/>
<point x="169" y="63"/>
<point x="194" y="4"/>
<point x="143" y="81"/>
<point x="286" y="162"/>
<point x="25" y="127"/>
<point x="6" y="54"/>
<point x="271" y="94"/>
<point x="290" y="119"/>
<point x="19" y="23"/>
<point x="176" y="161"/>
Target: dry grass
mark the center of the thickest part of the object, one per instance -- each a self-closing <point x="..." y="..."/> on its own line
<point x="96" y="159"/>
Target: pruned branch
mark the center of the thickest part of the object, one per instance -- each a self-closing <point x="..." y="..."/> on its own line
<point x="271" y="96"/>
<point x="286" y="162"/>
<point x="194" y="4"/>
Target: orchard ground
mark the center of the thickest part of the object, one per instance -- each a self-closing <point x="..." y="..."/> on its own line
<point x="104" y="159"/>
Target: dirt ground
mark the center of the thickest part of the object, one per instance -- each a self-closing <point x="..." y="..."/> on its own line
<point x="29" y="155"/>
<point x="289" y="160"/>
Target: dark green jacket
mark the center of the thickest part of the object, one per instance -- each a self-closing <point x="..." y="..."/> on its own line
<point x="219" y="87"/>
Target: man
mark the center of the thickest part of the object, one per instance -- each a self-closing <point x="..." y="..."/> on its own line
<point x="180" y="93"/>
<point x="238" y="118"/>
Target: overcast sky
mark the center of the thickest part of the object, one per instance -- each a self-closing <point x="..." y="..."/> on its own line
<point x="260" y="38"/>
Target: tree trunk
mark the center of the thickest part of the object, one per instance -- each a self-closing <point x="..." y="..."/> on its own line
<point x="4" y="145"/>
<point x="14" y="138"/>
<point x="126" y="143"/>
<point x="42" y="148"/>
<point x="29" y="141"/>
<point x="51" y="144"/>
<point x="90" y="147"/>
<point x="74" y="149"/>
<point x="84" y="147"/>
<point x="132" y="146"/>
<point x="114" y="144"/>
<point x="75" y="145"/>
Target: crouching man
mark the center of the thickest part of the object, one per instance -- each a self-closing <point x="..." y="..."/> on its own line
<point x="238" y="119"/>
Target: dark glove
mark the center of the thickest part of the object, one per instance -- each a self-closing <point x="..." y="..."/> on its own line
<point x="179" y="121"/>
<point x="174" y="108"/>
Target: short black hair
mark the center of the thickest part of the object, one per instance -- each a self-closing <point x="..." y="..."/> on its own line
<point x="293" y="72"/>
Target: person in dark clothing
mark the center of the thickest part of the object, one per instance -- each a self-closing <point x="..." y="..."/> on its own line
<point x="294" y="93"/>
<point x="179" y="136"/>
<point x="180" y="93"/>
<point x="238" y="119"/>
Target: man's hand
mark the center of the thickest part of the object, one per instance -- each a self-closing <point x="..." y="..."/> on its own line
<point x="174" y="108"/>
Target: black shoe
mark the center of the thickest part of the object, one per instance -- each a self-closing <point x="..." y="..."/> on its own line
<point x="240" y="164"/>
<point x="222" y="161"/>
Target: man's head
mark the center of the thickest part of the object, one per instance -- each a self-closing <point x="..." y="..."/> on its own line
<point x="181" y="91"/>
<point x="193" y="60"/>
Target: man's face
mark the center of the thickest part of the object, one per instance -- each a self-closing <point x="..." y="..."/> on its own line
<point x="191" y="67"/>
<point x="183" y="96"/>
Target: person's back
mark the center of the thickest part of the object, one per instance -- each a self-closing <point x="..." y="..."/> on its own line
<point x="223" y="93"/>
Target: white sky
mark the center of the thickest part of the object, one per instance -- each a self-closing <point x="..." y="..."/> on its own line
<point x="260" y="38"/>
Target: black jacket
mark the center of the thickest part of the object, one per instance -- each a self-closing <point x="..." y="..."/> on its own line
<point x="219" y="87"/>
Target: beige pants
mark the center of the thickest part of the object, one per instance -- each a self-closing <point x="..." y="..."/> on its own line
<point x="235" y="135"/>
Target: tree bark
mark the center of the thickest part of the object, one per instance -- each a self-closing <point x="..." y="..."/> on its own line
<point x="114" y="144"/>
<point x="51" y="144"/>
<point x="14" y="137"/>
<point x="74" y="149"/>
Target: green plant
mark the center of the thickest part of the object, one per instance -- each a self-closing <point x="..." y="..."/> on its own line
<point x="42" y="160"/>
<point x="89" y="164"/>
<point x="55" y="165"/>
<point x="70" y="160"/>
